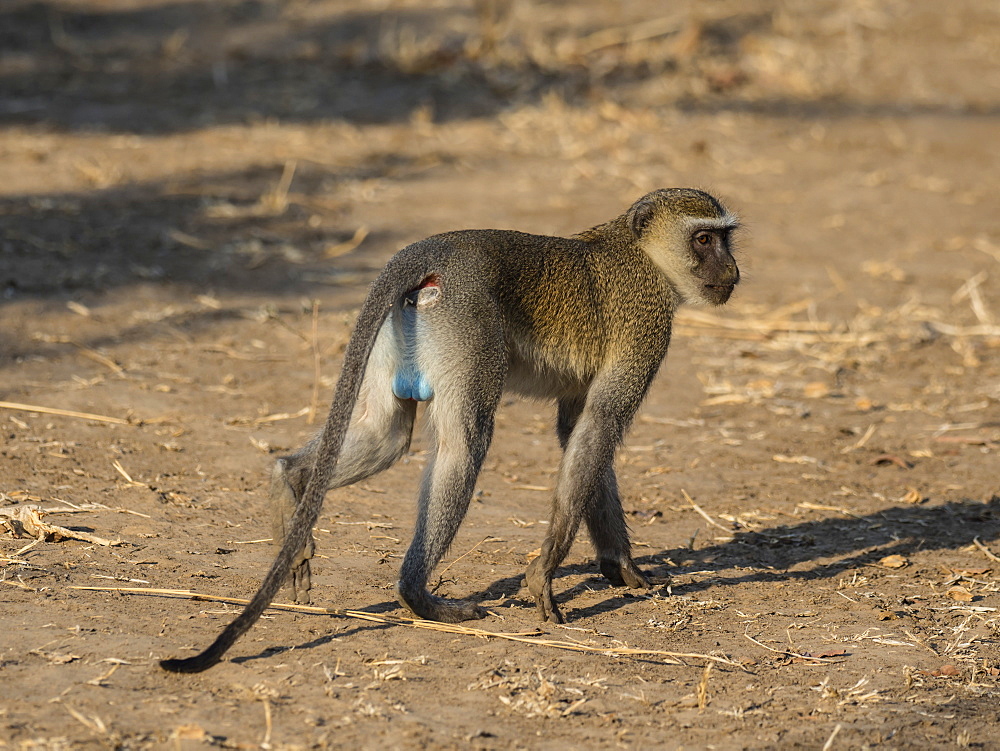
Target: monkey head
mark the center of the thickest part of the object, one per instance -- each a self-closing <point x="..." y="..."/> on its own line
<point x="687" y="234"/>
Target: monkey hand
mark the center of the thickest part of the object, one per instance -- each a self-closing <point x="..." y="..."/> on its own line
<point x="624" y="574"/>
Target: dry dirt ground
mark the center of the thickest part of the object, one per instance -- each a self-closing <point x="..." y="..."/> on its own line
<point x="194" y="194"/>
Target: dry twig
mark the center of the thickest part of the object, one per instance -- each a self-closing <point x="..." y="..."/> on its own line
<point x="701" y="511"/>
<point x="529" y="637"/>
<point x="790" y="653"/>
<point x="986" y="551"/>
<point x="829" y="741"/>
<point x="317" y="370"/>
<point x="63" y="413"/>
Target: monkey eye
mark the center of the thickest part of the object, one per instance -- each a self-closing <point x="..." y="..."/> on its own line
<point x="703" y="238"/>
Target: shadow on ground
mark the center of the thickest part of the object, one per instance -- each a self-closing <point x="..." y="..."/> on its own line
<point x="814" y="550"/>
<point x="179" y="66"/>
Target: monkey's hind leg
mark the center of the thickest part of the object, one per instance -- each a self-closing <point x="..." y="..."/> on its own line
<point x="444" y="498"/>
<point x="380" y="430"/>
<point x="283" y="500"/>
<point x="464" y="359"/>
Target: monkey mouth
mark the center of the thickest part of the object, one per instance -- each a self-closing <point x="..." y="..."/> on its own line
<point x="719" y="292"/>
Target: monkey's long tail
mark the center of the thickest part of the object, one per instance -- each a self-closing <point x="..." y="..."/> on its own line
<point x="391" y="285"/>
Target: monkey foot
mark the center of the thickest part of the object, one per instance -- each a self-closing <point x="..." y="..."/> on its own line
<point x="624" y="574"/>
<point x="540" y="588"/>
<point x="301" y="581"/>
<point x="547" y="610"/>
<point x="427" y="606"/>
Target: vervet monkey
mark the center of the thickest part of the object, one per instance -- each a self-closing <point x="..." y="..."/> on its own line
<point x="461" y="317"/>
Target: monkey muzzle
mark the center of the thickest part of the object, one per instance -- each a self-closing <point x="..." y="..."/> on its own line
<point x="718" y="294"/>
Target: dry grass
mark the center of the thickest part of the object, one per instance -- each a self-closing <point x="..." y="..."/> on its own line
<point x="528" y="637"/>
<point x="64" y="413"/>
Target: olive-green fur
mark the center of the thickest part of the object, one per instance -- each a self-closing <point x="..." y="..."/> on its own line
<point x="583" y="320"/>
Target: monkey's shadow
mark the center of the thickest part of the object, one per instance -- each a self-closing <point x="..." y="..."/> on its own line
<point x="833" y="546"/>
<point x="812" y="550"/>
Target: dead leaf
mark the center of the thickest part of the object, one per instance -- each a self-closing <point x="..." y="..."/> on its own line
<point x="894" y="561"/>
<point x="965" y="571"/>
<point x="945" y="671"/>
<point x="533" y="554"/>
<point x="26" y="521"/>
<point x="816" y="390"/>
<point x="189" y="733"/>
<point x="960" y="594"/>
<point x="891" y="459"/>
<point x="54" y="658"/>
<point x="824" y="655"/>
<point x="913" y="496"/>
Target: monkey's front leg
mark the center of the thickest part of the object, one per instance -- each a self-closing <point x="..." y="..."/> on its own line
<point x="609" y="533"/>
<point x="283" y="500"/>
<point x="575" y="487"/>
<point x="605" y="517"/>
<point x="589" y="430"/>
<point x="539" y="584"/>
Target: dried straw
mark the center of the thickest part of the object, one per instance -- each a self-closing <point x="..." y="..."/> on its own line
<point x="703" y="513"/>
<point x="63" y="413"/>
<point x="985" y="550"/>
<point x="527" y="637"/>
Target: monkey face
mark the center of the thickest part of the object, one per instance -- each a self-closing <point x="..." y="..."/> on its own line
<point x="713" y="264"/>
<point x="687" y="233"/>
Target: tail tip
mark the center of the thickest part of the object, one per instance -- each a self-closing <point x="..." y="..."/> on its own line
<point x="195" y="664"/>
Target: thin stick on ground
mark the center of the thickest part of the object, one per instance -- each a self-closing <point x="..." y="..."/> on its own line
<point x="829" y="741"/>
<point x="128" y="478"/>
<point x="97" y="357"/>
<point x="703" y="687"/>
<point x="467" y="552"/>
<point x="862" y="441"/>
<point x="528" y="637"/>
<point x="790" y="653"/>
<point x="63" y="413"/>
<point x="265" y="743"/>
<point x="22" y="551"/>
<point x="317" y="370"/>
<point x="985" y="550"/>
<point x="18" y="583"/>
<point x="701" y="511"/>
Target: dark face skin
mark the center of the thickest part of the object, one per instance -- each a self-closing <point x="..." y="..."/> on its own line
<point x="714" y="264"/>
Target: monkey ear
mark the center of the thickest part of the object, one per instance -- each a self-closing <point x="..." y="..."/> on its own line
<point x="640" y="214"/>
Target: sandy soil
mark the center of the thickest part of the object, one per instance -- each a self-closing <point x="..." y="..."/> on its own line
<point x="194" y="196"/>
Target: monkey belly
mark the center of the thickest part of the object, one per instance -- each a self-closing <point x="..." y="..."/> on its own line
<point x="409" y="382"/>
